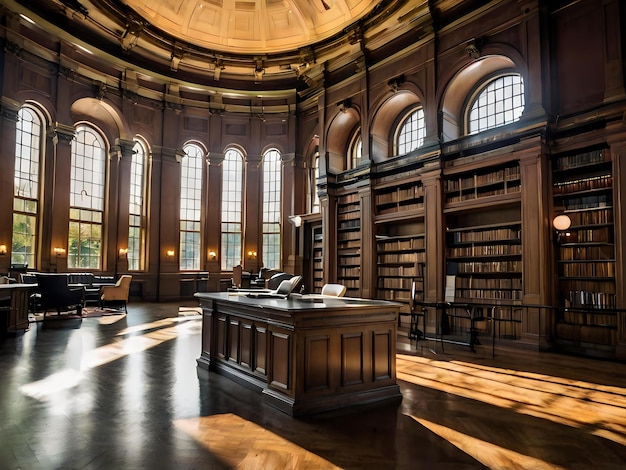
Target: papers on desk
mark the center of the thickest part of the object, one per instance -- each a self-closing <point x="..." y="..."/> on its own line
<point x="450" y="288"/>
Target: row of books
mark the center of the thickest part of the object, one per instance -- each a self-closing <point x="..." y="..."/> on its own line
<point x="590" y="269"/>
<point x="400" y="208"/>
<point x="592" y="217"/>
<point x="350" y="236"/>
<point x="583" y="184"/>
<point x="502" y="175"/>
<point x="400" y="271"/>
<point x="602" y="234"/>
<point x="410" y="257"/>
<point x="494" y="283"/>
<point x="581" y="159"/>
<point x="406" y="244"/>
<point x="349" y="198"/>
<point x="479" y="194"/>
<point x="349" y="224"/>
<point x="353" y="271"/>
<point x="394" y="283"/>
<point x="494" y="235"/>
<point x="485" y="250"/>
<point x="354" y="215"/>
<point x="344" y="243"/>
<point x="587" y="253"/>
<point x="400" y="194"/>
<point x="599" y="201"/>
<point x="489" y="294"/>
<point x="489" y="267"/>
<point x="581" y="298"/>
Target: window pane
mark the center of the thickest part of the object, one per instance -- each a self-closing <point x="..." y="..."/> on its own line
<point x="28" y="134"/>
<point x="499" y="103"/>
<point x="412" y="132"/>
<point x="272" y="167"/>
<point x="190" y="202"/>
<point x="136" y="209"/>
<point x="232" y="209"/>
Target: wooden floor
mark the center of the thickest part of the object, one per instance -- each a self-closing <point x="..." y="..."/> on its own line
<point x="123" y="392"/>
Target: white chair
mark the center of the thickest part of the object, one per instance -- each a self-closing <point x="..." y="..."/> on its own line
<point x="335" y="290"/>
<point x="118" y="293"/>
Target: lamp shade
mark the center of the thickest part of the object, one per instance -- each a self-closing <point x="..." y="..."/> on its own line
<point x="561" y="222"/>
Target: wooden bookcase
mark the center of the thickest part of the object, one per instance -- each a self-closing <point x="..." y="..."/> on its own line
<point x="487" y="262"/>
<point x="583" y="190"/>
<point x="394" y="200"/>
<point x="349" y="243"/>
<point x="317" y="258"/>
<point x="496" y="182"/>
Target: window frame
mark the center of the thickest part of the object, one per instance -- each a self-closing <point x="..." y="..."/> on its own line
<point x="231" y="230"/>
<point x="138" y="221"/>
<point x="403" y="122"/>
<point x="190" y="229"/>
<point x="271" y="252"/>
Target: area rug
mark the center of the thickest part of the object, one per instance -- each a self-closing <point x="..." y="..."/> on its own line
<point x="88" y="312"/>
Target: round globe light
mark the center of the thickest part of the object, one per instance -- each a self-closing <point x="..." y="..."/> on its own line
<point x="561" y="222"/>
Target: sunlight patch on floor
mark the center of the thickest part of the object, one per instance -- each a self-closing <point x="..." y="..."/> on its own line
<point x="69" y="378"/>
<point x="488" y="454"/>
<point x="601" y="409"/>
<point x="263" y="449"/>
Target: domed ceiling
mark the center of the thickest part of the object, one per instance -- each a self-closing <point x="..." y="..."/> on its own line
<point x="251" y="26"/>
<point x="237" y="44"/>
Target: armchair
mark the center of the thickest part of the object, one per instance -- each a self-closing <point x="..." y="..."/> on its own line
<point x="57" y="295"/>
<point x="117" y="293"/>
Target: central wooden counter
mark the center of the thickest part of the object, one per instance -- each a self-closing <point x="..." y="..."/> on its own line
<point x="305" y="356"/>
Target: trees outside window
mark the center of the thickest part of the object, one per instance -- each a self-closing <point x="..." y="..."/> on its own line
<point x="87" y="187"/>
<point x="26" y="190"/>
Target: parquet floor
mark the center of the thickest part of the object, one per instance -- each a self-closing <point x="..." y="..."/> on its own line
<point x="122" y="392"/>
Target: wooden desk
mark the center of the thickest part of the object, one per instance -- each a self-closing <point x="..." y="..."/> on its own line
<point x="303" y="356"/>
<point x="18" y="316"/>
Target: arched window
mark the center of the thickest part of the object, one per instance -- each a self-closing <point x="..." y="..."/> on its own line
<point x="272" y="167"/>
<point x="315" y="176"/>
<point x="411" y="132"/>
<point x="87" y="184"/>
<point x="232" y="208"/>
<point x="355" y="151"/>
<point x="137" y="210"/>
<point x="26" y="190"/>
<point x="190" y="200"/>
<point x="499" y="102"/>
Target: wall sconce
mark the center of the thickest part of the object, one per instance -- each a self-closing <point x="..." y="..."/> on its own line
<point x="122" y="253"/>
<point x="3" y="250"/>
<point x="251" y="254"/>
<point x="170" y="253"/>
<point x="296" y="220"/>
<point x="58" y="251"/>
<point x="212" y="255"/>
<point x="561" y="224"/>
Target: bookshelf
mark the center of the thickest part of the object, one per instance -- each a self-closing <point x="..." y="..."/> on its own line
<point x="393" y="200"/>
<point x="487" y="262"/>
<point x="317" y="258"/>
<point x="582" y="187"/>
<point x="493" y="182"/>
<point x="349" y="243"/>
<point x="400" y="262"/>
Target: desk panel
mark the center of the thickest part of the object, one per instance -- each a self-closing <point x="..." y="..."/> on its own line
<point x="303" y="356"/>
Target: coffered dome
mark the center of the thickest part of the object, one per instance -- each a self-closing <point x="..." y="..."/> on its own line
<point x="251" y="26"/>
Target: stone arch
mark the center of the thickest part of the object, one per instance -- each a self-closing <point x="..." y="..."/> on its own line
<point x="385" y="117"/>
<point x="338" y="136"/>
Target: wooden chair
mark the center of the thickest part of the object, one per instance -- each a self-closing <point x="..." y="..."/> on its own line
<point x="117" y="293"/>
<point x="336" y="290"/>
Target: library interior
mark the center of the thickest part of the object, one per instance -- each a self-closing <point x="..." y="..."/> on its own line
<point x="454" y="169"/>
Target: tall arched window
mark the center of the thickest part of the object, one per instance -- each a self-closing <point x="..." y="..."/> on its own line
<point x="412" y="130"/>
<point x="190" y="201"/>
<point x="232" y="208"/>
<point x="26" y="187"/>
<point x="499" y="102"/>
<point x="315" y="176"/>
<point x="87" y="184"/>
<point x="272" y="167"/>
<point x="136" y="208"/>
<point x="355" y="151"/>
